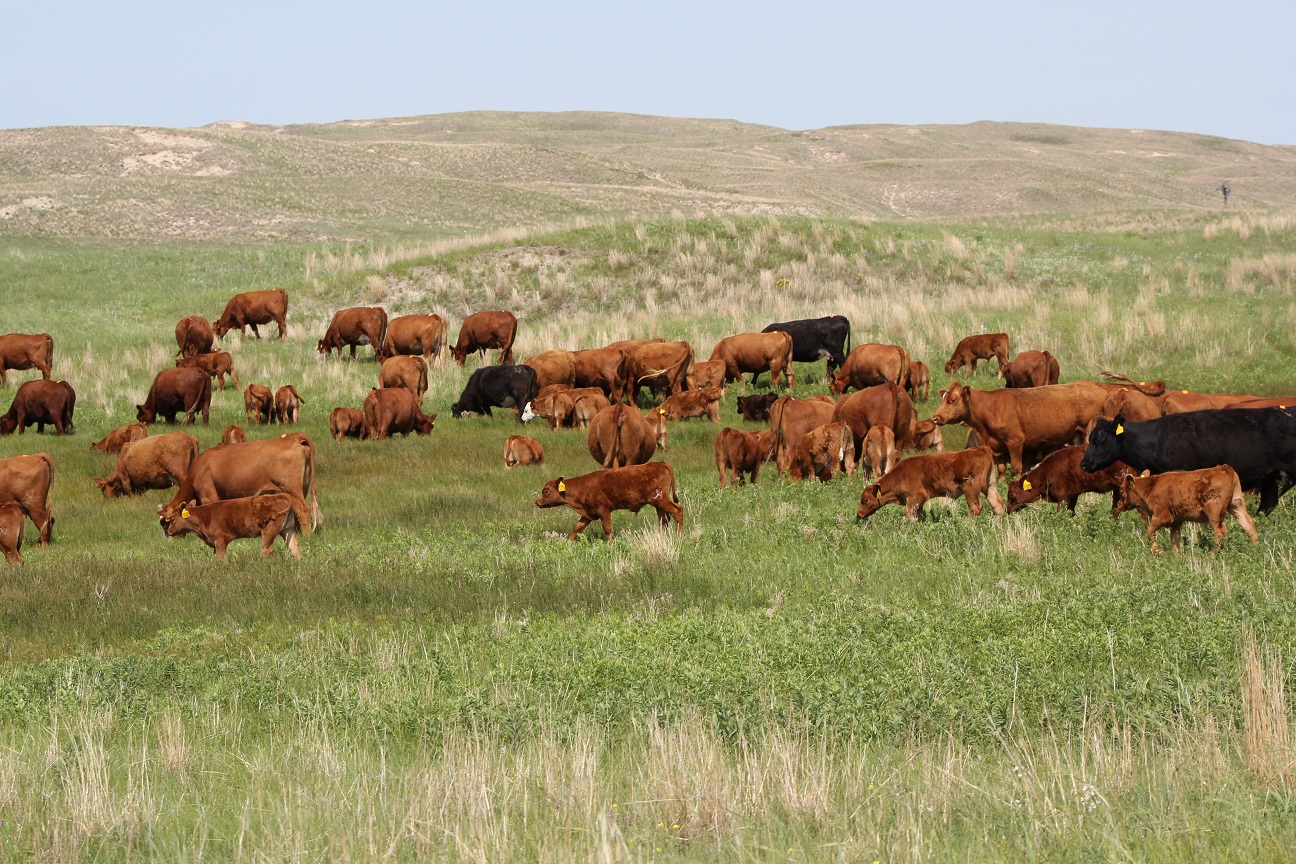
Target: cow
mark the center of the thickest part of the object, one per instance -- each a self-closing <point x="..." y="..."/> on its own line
<point x="194" y="336"/>
<point x="217" y="365"/>
<point x="756" y="353"/>
<point x="688" y="404"/>
<point x="822" y="452"/>
<point x="497" y="387"/>
<point x="359" y="325"/>
<point x="258" y="402"/>
<point x="11" y="531"/>
<point x="555" y="407"/>
<point x="872" y="364"/>
<point x="919" y="379"/>
<point x="220" y="522"/>
<point x="816" y="338"/>
<point x="408" y="371"/>
<point x="880" y="452"/>
<point x="26" y="481"/>
<point x="880" y="405"/>
<point x="739" y="452"/>
<point x="251" y="309"/>
<point x="790" y="418"/>
<point x="395" y="411"/>
<point x="1060" y="479"/>
<point x="21" y="351"/>
<point x="176" y="391"/>
<point x="1030" y="369"/>
<point x="483" y="330"/>
<point x="656" y="419"/>
<point x="600" y="367"/>
<point x="1176" y="497"/>
<point x="553" y="367"/>
<point x="586" y="407"/>
<point x="285" y="464"/>
<point x="40" y="402"/>
<point x="707" y="373"/>
<point x="1183" y="401"/>
<point x="926" y="435"/>
<point x="659" y="366"/>
<point x="1131" y="403"/>
<point x="157" y="462"/>
<point x="597" y="494"/>
<point x="756" y="408"/>
<point x="1258" y="443"/>
<point x="287" y="404"/>
<point x="972" y="349"/>
<point x="619" y="436"/>
<point x="233" y="434"/>
<point x="519" y="450"/>
<point x="415" y="335"/>
<point x="113" y="441"/>
<point x="1258" y="402"/>
<point x="346" y="423"/>
<point x="918" y="479"/>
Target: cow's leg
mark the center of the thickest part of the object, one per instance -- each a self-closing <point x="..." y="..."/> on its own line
<point x="1220" y="529"/>
<point x="289" y="534"/>
<point x="42" y="518"/>
<point x="268" y="535"/>
<point x="1071" y="502"/>
<point x="219" y="543"/>
<point x="605" y="518"/>
<point x="255" y="331"/>
<point x="973" y="495"/>
<point x="11" y="554"/>
<point x="1153" y="526"/>
<point x="1238" y="508"/>
<point x="581" y="524"/>
<point x="1176" y="536"/>
<point x="1268" y="493"/>
<point x="1015" y="456"/>
<point x="283" y="328"/>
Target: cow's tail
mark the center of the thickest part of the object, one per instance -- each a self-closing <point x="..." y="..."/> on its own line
<point x="308" y="488"/>
<point x="903" y="383"/>
<point x="296" y="395"/>
<point x="787" y="363"/>
<point x="780" y="440"/>
<point x="1147" y="388"/>
<point x="382" y="336"/>
<point x="423" y="379"/>
<point x="674" y="492"/>
<point x="1237" y="506"/>
<point x="609" y="458"/>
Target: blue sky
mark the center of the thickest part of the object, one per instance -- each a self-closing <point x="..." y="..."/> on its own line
<point x="1212" y="68"/>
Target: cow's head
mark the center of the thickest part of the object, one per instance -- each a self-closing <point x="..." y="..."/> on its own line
<point x="953" y="405"/>
<point x="142" y="415"/>
<point x="840" y="382"/>
<point x="424" y="423"/>
<point x="111" y="487"/>
<point x="176" y="519"/>
<point x="459" y="354"/>
<point x="1024" y="491"/>
<point x="871" y="500"/>
<point x="926" y="435"/>
<point x="656" y="418"/>
<point x="554" y="493"/>
<point x="459" y="409"/>
<point x="1106" y="444"/>
<point x="219" y="328"/>
<point x="951" y="365"/>
<point x="322" y="347"/>
<point x="1131" y="492"/>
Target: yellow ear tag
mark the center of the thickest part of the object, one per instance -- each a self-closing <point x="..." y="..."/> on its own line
<point x="661" y="410"/>
<point x="877" y="493"/>
<point x="1120" y="430"/>
<point x="1026" y="485"/>
<point x="184" y="513"/>
<point x="1185" y="392"/>
<point x="1284" y="407"/>
<point x="562" y="487"/>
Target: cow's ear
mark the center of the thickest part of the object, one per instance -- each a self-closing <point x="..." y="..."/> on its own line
<point x="562" y="486"/>
<point x="1145" y="473"/>
<point x="1129" y="479"/>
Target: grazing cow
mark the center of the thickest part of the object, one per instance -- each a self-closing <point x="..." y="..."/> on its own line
<point x="285" y="464"/>
<point x="872" y="364"/>
<point x="880" y="405"/>
<point x="918" y="479"/>
<point x="1132" y="404"/>
<point x="1183" y="401"/>
<point x="1176" y="497"/>
<point x="822" y="452"/>
<point x="555" y="407"/>
<point x="919" y="379"/>
<point x="619" y="436"/>
<point x="597" y="494"/>
<point x="707" y="373"/>
<point x="11" y="531"/>
<point x="41" y="402"/>
<point x="176" y="391"/>
<point x="220" y="522"/>
<point x="816" y="338"/>
<point x="415" y="335"/>
<point x="26" y="481"/>
<point x="408" y="371"/>
<point x="483" y="330"/>
<point x="756" y="408"/>
<point x="586" y="407"/>
<point x="21" y="351"/>
<point x="194" y="336"/>
<point x="113" y="441"/>
<point x="600" y="367"/>
<point x="359" y="325"/>
<point x="395" y="411"/>
<point x="688" y="404"/>
<point x="217" y="365"/>
<point x="234" y="434"/>
<point x="1060" y="479"/>
<point x="258" y="402"/>
<point x="1030" y="369"/>
<point x="252" y="309"/>
<point x="519" y="450"/>
<point x="1258" y="443"/>
<point x="158" y="462"/>
<point x="756" y="353"/>
<point x="741" y="453"/>
<point x="659" y="366"/>
<point x="346" y="423"/>
<point x="880" y="452"/>
<point x="553" y="367"/>
<point x="497" y="387"/>
<point x="790" y="418"/>
<point x="287" y="404"/>
<point x="926" y="435"/>
<point x="972" y="349"/>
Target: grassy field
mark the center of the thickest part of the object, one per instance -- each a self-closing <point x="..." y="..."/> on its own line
<point x="444" y="677"/>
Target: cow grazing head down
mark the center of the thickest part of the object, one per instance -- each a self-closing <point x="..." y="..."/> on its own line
<point x="871" y="500"/>
<point x="553" y="494"/>
<point x="173" y="523"/>
<point x="1106" y="444"/>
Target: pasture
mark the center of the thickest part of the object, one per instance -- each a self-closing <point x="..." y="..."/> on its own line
<point x="444" y="677"/>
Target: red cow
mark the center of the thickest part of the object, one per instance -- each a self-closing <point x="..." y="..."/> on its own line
<point x="40" y="402"/>
<point x="194" y="336"/>
<point x="872" y="364"/>
<point x="822" y="452"/>
<point x="1030" y="369"/>
<point x="1060" y="479"/>
<point x="393" y="411"/>
<point x="619" y="436"/>
<point x="251" y="309"/>
<point x="258" y="401"/>
<point x="217" y="365"/>
<point x="11" y="531"/>
<point x="739" y="452"/>
<point x="971" y="349"/>
<point x="415" y="334"/>
<point x="597" y="494"/>
<point x="175" y="391"/>
<point x="26" y="481"/>
<point x="918" y="479"/>
<point x="483" y="330"/>
<point x="919" y="379"/>
<point x="157" y="462"/>
<point x="360" y="325"/>
<point x="756" y="353"/>
<point x="22" y="351"/>
<point x="410" y="372"/>
<point x="346" y="423"/>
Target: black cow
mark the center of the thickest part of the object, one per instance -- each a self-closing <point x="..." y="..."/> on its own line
<point x="1258" y="443"/>
<point x="497" y="387"/>
<point x="816" y="338"/>
<point x="756" y="407"/>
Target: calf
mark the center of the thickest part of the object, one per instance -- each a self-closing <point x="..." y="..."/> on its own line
<point x="11" y="531"/>
<point x="392" y="411"/>
<point x="587" y="408"/>
<point x="597" y="494"/>
<point x="405" y="370"/>
<point x="346" y="423"/>
<point x="739" y="452"/>
<point x="218" y="523"/>
<point x="880" y="451"/>
<point x="919" y="379"/>
<point x="756" y="408"/>
<point x="870" y="365"/>
<point x="1060" y="479"/>
<point x="971" y="349"/>
<point x="688" y="404"/>
<point x="916" y="480"/>
<point x="194" y="336"/>
<point x="113" y="441"/>
<point x="822" y="452"/>
<point x="706" y="373"/>
<point x="1176" y="497"/>
<point x="23" y="351"/>
<point x="217" y="365"/>
<point x="233" y="435"/>
<point x="519" y="450"/>
<point x="258" y="401"/>
<point x="1030" y="369"/>
<point x="287" y="404"/>
<point x="40" y="402"/>
<point x="926" y="435"/>
<point x="158" y="462"/>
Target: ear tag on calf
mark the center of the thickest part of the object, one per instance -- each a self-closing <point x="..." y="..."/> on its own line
<point x="661" y="410"/>
<point x="184" y="513"/>
<point x="877" y="493"/>
<point x="1026" y="485"/>
<point x="562" y="487"/>
<point x="1120" y="430"/>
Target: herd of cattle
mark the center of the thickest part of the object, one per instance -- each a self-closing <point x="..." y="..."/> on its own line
<point x="1172" y="456"/>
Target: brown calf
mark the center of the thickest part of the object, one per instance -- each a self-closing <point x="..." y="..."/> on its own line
<point x="346" y="423"/>
<point x="707" y="373"/>
<point x="220" y="522"/>
<point x="519" y="450"/>
<point x="822" y="452"/>
<point x="971" y="349"/>
<point x="217" y="365"/>
<point x="1030" y="369"/>
<point x="1060" y="479"/>
<point x="113" y="441"/>
<point x="919" y="379"/>
<point x="287" y="404"/>
<point x="158" y="462"/>
<point x="739" y="452"/>
<point x="258" y="401"/>
<point x="22" y="351"/>
<point x="11" y="531"/>
<point x="880" y="452"/>
<point x="872" y="364"/>
<point x="26" y="481"/>
<point x="233" y="434"/>
<point x="597" y="494"/>
<point x="408" y="371"/>
<point x="553" y="367"/>
<point x="916" y="480"/>
<point x="1176" y="497"/>
<point x="688" y="404"/>
<point x="194" y="336"/>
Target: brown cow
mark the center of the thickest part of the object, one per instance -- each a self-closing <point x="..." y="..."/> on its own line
<point x="822" y="452"/>
<point x="11" y="531"/>
<point x="159" y="462"/>
<point x="483" y="330"/>
<point x="756" y="408"/>
<point x="872" y="364"/>
<point x="1131" y="404"/>
<point x="415" y="335"/>
<point x="1060" y="479"/>
<point x="1180" y="401"/>
<point x="395" y="411"/>
<point x="1176" y="497"/>
<point x="251" y="309"/>
<point x="918" y="479"/>
<point x="587" y="407"/>
<point x="23" y="351"/>
<point x="217" y="364"/>
<point x="659" y="366"/>
<point x="40" y="402"/>
<point x="220" y="522"/>
<point x="706" y="373"/>
<point x="519" y="450"/>
<point x="656" y="419"/>
<point x="790" y="418"/>
<point x="1030" y="369"/>
<point x="741" y="453"/>
<point x="971" y="349"/>
<point x="553" y="367"/>
<point x="359" y="325"/>
<point x="756" y="353"/>
<point x="175" y="391"/>
<point x="555" y="407"/>
<point x="234" y="434"/>
<point x="258" y="401"/>
<point x="194" y="336"/>
<point x="688" y="404"/>
<point x="26" y="481"/>
<point x="919" y="379"/>
<point x="597" y="494"/>
<point x="600" y="367"/>
<point x="285" y="464"/>
<point x="926" y="435"/>
<point x="113" y="441"/>
<point x="287" y="404"/>
<point x="880" y="452"/>
<point x="619" y="436"/>
<point x="408" y="371"/>
<point x="882" y="404"/>
<point x="346" y="423"/>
